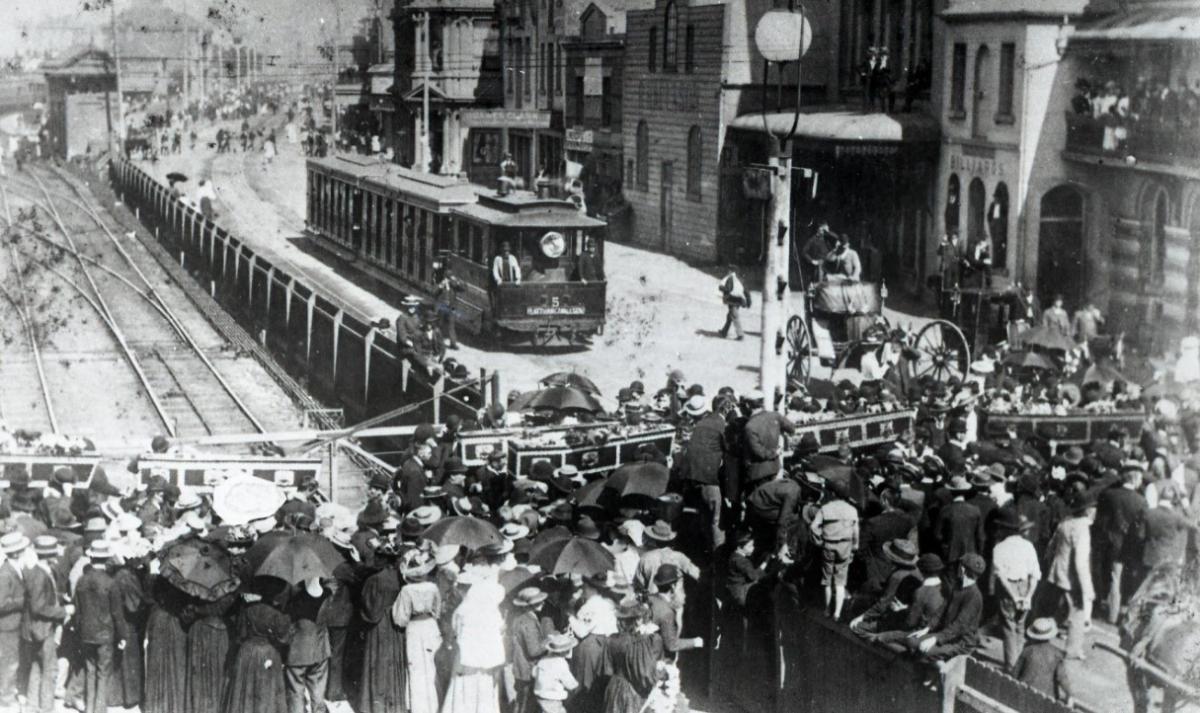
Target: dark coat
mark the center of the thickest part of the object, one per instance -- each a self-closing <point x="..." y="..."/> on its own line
<point x="99" y="608"/>
<point x="43" y="609"/>
<point x="1120" y="513"/>
<point x="960" y="530"/>
<point x="410" y="481"/>
<point x="1166" y="537"/>
<point x="776" y="504"/>
<point x="873" y="535"/>
<point x="662" y="614"/>
<point x="1041" y="666"/>
<point x="762" y="434"/>
<point x="963" y="614"/>
<point x="526" y="641"/>
<point x="12" y="597"/>
<point x="706" y="451"/>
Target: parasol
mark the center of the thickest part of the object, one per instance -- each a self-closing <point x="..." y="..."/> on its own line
<point x="548" y="537"/>
<point x="558" y="398"/>
<point x="201" y="569"/>
<point x="176" y="177"/>
<point x="571" y="380"/>
<point x="1046" y="338"/>
<point x="573" y="556"/>
<point x="293" y="557"/>
<point x="590" y="495"/>
<point x="243" y="499"/>
<point x="469" y="532"/>
<point x="1028" y="360"/>
<point x="647" y="479"/>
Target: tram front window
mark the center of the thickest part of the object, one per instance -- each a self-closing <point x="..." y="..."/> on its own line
<point x="557" y="256"/>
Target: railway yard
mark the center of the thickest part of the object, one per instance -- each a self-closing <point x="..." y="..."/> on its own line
<point x="101" y="339"/>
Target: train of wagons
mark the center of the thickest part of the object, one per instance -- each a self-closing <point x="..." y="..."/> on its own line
<point x="401" y="226"/>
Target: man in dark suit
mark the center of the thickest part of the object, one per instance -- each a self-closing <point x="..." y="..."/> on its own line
<point x="408" y="328"/>
<point x="960" y="525"/>
<point x="1120" y="513"/>
<point x="666" y="610"/>
<point x="308" y="654"/>
<point x="12" y="609"/>
<point x="762" y="440"/>
<point x="959" y="630"/>
<point x="44" y="615"/>
<point x="1042" y="664"/>
<point x="411" y="480"/>
<point x="954" y="451"/>
<point x="101" y="625"/>
<point x="703" y="459"/>
<point x="1108" y="453"/>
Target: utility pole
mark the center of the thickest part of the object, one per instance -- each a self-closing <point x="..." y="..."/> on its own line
<point x="773" y="364"/>
<point x="116" y="50"/>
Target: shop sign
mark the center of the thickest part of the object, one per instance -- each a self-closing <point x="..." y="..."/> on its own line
<point x="850" y="150"/>
<point x="505" y="118"/>
<point x="977" y="166"/>
<point x="577" y="139"/>
<point x="668" y="95"/>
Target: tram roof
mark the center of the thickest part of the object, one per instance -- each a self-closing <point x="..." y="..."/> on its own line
<point x="526" y="210"/>
<point x="430" y="188"/>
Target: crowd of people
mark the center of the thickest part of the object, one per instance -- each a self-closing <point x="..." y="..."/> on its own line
<point x="1149" y="103"/>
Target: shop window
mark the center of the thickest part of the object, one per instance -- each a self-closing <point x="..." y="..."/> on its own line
<point x="643" y="156"/>
<point x="652" y="55"/>
<point x="998" y="226"/>
<point x="695" y="157"/>
<point x="670" y="37"/>
<point x="1004" y="98"/>
<point x="953" y="194"/>
<point x="689" y="49"/>
<point x="958" y="81"/>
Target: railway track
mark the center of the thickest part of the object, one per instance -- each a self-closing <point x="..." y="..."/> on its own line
<point x="163" y="345"/>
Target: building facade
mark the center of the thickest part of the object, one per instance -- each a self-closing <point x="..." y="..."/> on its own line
<point x="82" y="111"/>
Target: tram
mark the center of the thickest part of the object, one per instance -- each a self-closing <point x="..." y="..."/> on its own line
<point x="403" y="227"/>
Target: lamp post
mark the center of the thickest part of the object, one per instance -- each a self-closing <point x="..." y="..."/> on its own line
<point x="781" y="36"/>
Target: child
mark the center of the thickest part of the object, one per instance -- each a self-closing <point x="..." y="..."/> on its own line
<point x="552" y="679"/>
<point x="742" y="572"/>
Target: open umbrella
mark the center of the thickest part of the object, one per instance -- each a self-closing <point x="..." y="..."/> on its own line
<point x="514" y="579"/>
<point x="646" y="479"/>
<point x="1028" y="360"/>
<point x="571" y="379"/>
<point x="558" y="398"/>
<point x="547" y="537"/>
<point x="573" y="556"/>
<point x="201" y="569"/>
<point x="590" y="495"/>
<point x="469" y="532"/>
<point x="243" y="499"/>
<point x="293" y="557"/>
<point x="176" y="177"/>
<point x="1046" y="338"/>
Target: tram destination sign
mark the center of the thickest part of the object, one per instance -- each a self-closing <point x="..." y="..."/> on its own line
<point x="555" y="310"/>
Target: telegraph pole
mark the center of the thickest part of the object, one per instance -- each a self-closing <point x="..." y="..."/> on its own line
<point x="116" y="51"/>
<point x="773" y="363"/>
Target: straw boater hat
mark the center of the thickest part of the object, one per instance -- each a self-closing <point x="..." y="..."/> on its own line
<point x="560" y="643"/>
<point x="529" y="596"/>
<point x="660" y="531"/>
<point x="100" y="550"/>
<point x="1043" y="629"/>
<point x="426" y="515"/>
<point x="13" y="543"/>
<point x="45" y="546"/>
<point x="514" y="531"/>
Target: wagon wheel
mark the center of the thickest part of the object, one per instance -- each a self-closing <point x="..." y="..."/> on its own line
<point x="799" y="350"/>
<point x="942" y="352"/>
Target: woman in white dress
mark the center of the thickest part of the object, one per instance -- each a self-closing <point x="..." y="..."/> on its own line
<point x="416" y="611"/>
<point x="478" y="626"/>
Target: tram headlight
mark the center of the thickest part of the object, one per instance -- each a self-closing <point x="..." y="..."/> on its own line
<point x="553" y="245"/>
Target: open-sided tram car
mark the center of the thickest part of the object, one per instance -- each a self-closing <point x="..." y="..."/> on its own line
<point x="400" y="225"/>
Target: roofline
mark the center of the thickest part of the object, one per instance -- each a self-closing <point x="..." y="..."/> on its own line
<point x="951" y="17"/>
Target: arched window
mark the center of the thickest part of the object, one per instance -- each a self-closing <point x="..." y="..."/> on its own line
<point x="670" y="37"/>
<point x="643" y="156"/>
<point x="998" y="226"/>
<point x="953" y="198"/>
<point x="976" y="202"/>
<point x="695" y="163"/>
<point x="980" y="102"/>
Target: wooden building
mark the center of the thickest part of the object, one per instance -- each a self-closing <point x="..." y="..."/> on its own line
<point x="82" y="104"/>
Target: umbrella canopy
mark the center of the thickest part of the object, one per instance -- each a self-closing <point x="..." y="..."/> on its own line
<point x="645" y="479"/>
<point x="1028" y="360"/>
<point x="469" y="532"/>
<point x="176" y="177"/>
<point x="572" y="380"/>
<point x="547" y="537"/>
<point x="514" y="579"/>
<point x="558" y="398"/>
<point x="1046" y="338"/>
<point x="243" y="499"/>
<point x="590" y="495"/>
<point x="292" y="557"/>
<point x="573" y="556"/>
<point x="201" y="569"/>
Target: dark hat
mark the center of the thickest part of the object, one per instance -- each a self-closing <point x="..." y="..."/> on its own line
<point x="1073" y="455"/>
<point x="380" y="481"/>
<point x="411" y="528"/>
<point x="159" y="444"/>
<point x="1081" y="502"/>
<point x="637" y="387"/>
<point x="423" y="433"/>
<point x="453" y="466"/>
<point x="930" y="564"/>
<point x="541" y="470"/>
<point x="372" y="515"/>
<point x="17" y="476"/>
<point x="957" y="425"/>
<point x="495" y="454"/>
<point x="1008" y="519"/>
<point x="156" y="484"/>
<point x="667" y="575"/>
<point x="99" y="483"/>
<point x="64" y="476"/>
<point x="625" y="395"/>
<point x="973" y="564"/>
<point x="587" y="529"/>
<point x="1116" y="433"/>
<point x="901" y="551"/>
<point x="808" y="444"/>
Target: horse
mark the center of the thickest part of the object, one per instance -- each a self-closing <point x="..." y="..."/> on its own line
<point x="1160" y="628"/>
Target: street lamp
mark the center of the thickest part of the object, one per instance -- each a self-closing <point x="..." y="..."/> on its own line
<point x="781" y="36"/>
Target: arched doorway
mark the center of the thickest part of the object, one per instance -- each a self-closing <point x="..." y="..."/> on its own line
<point x="952" y="204"/>
<point x="983" y="67"/>
<point x="998" y="226"/>
<point x="976" y="207"/>
<point x="1061" y="268"/>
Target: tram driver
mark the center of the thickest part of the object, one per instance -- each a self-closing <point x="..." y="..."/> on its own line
<point x="506" y="269"/>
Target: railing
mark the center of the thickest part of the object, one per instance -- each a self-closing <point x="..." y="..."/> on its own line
<point x="1134" y="141"/>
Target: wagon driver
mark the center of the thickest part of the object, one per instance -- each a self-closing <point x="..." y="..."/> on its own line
<point x="842" y="263"/>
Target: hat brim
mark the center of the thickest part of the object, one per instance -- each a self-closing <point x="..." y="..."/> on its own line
<point x="1047" y="636"/>
<point x="891" y="554"/>
<point x="532" y="602"/>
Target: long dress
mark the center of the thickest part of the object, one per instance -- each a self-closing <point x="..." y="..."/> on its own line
<point x="479" y="629"/>
<point x="382" y="686"/>
<point x="416" y="611"/>
<point x="207" y="655"/>
<point x="166" y="651"/>
<point x="125" y="683"/>
<point x="632" y="658"/>
<point x="256" y="677"/>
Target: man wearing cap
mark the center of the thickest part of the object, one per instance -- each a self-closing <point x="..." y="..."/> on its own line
<point x="1016" y="572"/>
<point x="763" y="440"/>
<point x="527" y="633"/>
<point x="1120" y="514"/>
<point x="924" y="613"/>
<point x="959" y="631"/>
<point x="1042" y="665"/>
<point x="1070" y="570"/>
<point x="12" y="608"/>
<point x="701" y="464"/>
<point x="666" y="609"/>
<point x="101" y="625"/>
<point x="44" y="616"/>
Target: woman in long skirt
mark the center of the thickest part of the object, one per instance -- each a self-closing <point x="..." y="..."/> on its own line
<point x="479" y="628"/>
<point x="633" y="655"/>
<point x="208" y="647"/>
<point x="166" y="651"/>
<point x="381" y="689"/>
<point x="416" y="611"/>
<point x="125" y="683"/>
<point x="256" y="677"/>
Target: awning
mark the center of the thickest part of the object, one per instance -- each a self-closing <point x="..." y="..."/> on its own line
<point x="846" y="126"/>
<point x="1158" y="23"/>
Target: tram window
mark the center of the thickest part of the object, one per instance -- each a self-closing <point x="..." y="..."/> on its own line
<point x="389" y="207"/>
<point x="423" y="243"/>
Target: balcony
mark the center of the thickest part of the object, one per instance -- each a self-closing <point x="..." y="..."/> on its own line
<point x="1167" y="146"/>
